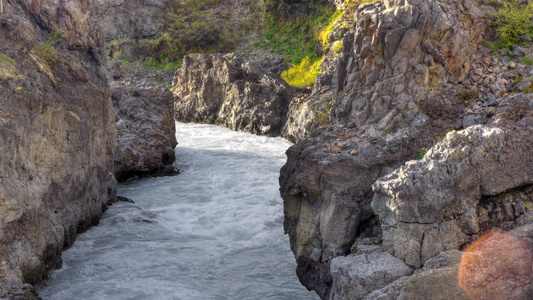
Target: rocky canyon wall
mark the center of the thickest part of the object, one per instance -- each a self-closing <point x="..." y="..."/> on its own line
<point x="57" y="135"/>
<point x="394" y="93"/>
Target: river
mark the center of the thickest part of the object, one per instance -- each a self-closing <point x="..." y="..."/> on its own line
<point x="213" y="232"/>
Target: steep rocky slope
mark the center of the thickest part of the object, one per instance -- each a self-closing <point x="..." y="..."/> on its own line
<point x="57" y="135"/>
<point x="366" y="220"/>
<point x="393" y="93"/>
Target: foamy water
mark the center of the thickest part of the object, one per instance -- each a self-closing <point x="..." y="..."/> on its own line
<point x="213" y="232"/>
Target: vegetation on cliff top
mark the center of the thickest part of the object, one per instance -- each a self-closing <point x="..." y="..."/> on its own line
<point x="512" y="21"/>
<point x="306" y="64"/>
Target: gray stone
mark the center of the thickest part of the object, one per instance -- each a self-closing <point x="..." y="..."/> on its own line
<point x="481" y="118"/>
<point x="526" y="38"/>
<point x="469" y="120"/>
<point x="522" y="85"/>
<point x="491" y="101"/>
<point x="147" y="135"/>
<point x="437" y="280"/>
<point x="519" y="51"/>
<point x="355" y="276"/>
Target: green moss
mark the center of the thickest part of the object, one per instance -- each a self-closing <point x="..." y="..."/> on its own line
<point x="304" y="74"/>
<point x="468" y="96"/>
<point x="169" y="67"/>
<point x="6" y="60"/>
<point x="422" y="153"/>
<point x="526" y="60"/>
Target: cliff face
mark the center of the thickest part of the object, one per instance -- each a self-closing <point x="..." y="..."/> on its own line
<point x="136" y="19"/>
<point x="57" y="135"/>
<point x="226" y="90"/>
<point x="393" y="93"/>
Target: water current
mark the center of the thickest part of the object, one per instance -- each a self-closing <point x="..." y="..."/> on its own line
<point x="213" y="232"/>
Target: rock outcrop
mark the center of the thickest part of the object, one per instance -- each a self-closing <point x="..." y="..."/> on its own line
<point x="57" y="135"/>
<point x="144" y="112"/>
<point x="408" y="74"/>
<point x="226" y="90"/>
<point x="436" y="204"/>
<point x="355" y="276"/>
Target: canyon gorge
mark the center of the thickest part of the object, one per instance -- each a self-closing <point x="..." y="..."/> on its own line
<point x="411" y="170"/>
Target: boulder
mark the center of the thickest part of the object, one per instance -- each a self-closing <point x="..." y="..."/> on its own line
<point x="146" y="135"/>
<point x="436" y="280"/>
<point x="355" y="276"/>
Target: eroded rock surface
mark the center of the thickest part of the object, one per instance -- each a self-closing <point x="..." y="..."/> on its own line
<point x="144" y="113"/>
<point x="388" y="101"/>
<point x="228" y="91"/>
<point x="433" y="205"/>
<point x="57" y="137"/>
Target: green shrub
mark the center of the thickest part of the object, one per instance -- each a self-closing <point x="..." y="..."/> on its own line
<point x="512" y="20"/>
<point x="49" y="49"/>
<point x="294" y="35"/>
<point x="422" y="153"/>
<point x="125" y="63"/>
<point x="169" y="67"/>
<point x="526" y="60"/>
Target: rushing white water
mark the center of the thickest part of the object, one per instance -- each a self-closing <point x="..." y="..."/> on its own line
<point x="213" y="232"/>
